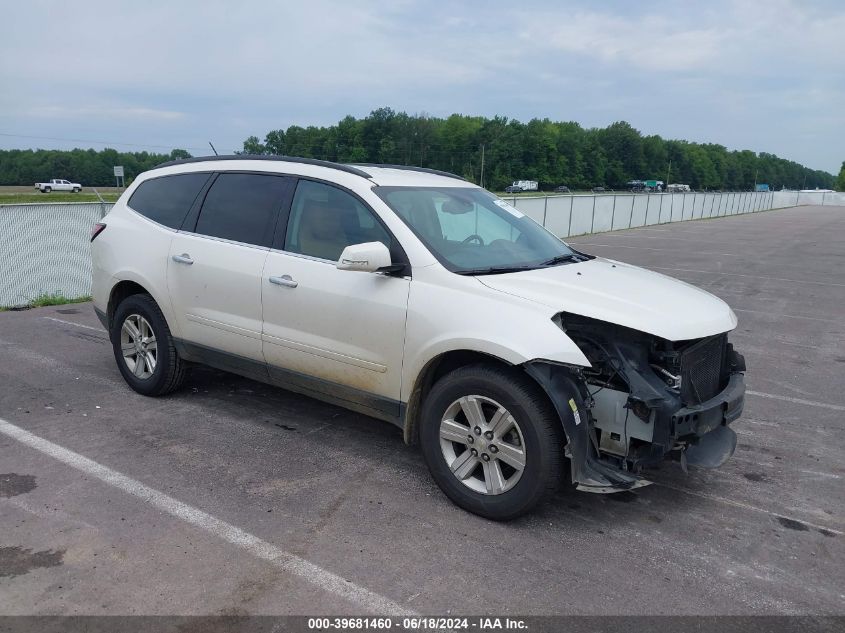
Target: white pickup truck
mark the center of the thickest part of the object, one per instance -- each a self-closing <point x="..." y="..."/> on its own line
<point x="58" y="185"/>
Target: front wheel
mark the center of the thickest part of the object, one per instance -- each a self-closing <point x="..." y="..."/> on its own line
<point x="47" y="189"/>
<point x="143" y="347"/>
<point x="492" y="441"/>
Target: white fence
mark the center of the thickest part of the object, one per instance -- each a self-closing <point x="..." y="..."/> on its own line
<point x="45" y="248"/>
<point x="569" y="215"/>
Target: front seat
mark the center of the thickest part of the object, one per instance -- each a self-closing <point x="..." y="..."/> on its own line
<point x="423" y="218"/>
<point x="321" y="232"/>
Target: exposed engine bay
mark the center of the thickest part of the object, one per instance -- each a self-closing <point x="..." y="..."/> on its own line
<point x="645" y="399"/>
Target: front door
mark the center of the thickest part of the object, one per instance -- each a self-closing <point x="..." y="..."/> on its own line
<point x="334" y="332"/>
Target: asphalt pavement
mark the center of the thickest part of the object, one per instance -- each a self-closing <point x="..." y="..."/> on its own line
<point x="232" y="497"/>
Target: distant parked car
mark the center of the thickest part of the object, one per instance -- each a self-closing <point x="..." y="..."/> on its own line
<point x="678" y="188"/>
<point x="513" y="189"/>
<point x="598" y="189"/>
<point x="526" y="185"/>
<point x="562" y="189"/>
<point x="58" y="185"/>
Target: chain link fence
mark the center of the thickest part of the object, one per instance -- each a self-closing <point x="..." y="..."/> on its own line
<point x="45" y="248"/>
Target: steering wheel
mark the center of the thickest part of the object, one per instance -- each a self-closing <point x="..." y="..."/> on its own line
<point x="474" y="238"/>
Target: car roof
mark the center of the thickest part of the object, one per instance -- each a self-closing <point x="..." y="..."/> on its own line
<point x="381" y="175"/>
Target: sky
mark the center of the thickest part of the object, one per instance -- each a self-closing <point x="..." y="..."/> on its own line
<point x="762" y="75"/>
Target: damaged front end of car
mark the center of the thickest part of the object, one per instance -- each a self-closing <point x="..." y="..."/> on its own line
<point x="643" y="400"/>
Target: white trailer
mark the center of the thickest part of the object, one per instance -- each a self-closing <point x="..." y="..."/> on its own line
<point x="526" y="185"/>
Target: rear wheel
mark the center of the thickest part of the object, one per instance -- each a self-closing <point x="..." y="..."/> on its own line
<point x="143" y="347"/>
<point x="76" y="190"/>
<point x="492" y="441"/>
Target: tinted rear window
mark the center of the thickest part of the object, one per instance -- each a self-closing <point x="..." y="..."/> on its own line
<point x="242" y="207"/>
<point x="168" y="199"/>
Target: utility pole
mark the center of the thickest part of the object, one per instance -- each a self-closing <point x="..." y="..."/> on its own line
<point x="756" y="171"/>
<point x="482" y="165"/>
<point x="668" y="171"/>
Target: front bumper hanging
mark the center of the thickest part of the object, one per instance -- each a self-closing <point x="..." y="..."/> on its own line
<point x="702" y="430"/>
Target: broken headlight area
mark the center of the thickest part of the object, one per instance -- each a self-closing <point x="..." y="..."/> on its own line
<point x="649" y="398"/>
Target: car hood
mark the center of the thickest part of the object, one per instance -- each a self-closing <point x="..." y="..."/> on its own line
<point x="619" y="293"/>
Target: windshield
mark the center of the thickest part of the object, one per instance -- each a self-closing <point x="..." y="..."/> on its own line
<point x="472" y="232"/>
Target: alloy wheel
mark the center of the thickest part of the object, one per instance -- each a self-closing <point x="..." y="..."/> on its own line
<point x="138" y="346"/>
<point x="482" y="444"/>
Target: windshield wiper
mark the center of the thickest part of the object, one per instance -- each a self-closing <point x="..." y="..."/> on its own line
<point x="560" y="259"/>
<point x="494" y="270"/>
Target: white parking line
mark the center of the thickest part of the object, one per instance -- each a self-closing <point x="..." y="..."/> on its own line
<point x="811" y="403"/>
<point x="747" y="506"/>
<point x="786" y="316"/>
<point x="87" y="327"/>
<point x="666" y="250"/>
<point x="627" y="235"/>
<point x="290" y="563"/>
<point x="719" y="272"/>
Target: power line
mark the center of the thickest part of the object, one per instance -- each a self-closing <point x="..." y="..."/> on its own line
<point x="81" y="140"/>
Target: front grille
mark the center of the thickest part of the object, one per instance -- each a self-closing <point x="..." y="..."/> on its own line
<point x="701" y="369"/>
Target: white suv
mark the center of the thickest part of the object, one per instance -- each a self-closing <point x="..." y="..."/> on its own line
<point x="419" y="298"/>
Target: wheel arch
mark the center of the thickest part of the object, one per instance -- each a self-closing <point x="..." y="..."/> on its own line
<point x="127" y="287"/>
<point x="441" y="365"/>
<point x="432" y="371"/>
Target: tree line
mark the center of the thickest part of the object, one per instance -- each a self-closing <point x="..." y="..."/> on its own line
<point x="89" y="167"/>
<point x="550" y="152"/>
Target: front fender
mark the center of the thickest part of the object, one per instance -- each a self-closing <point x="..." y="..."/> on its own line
<point x="569" y="396"/>
<point x="517" y="350"/>
<point x="461" y="314"/>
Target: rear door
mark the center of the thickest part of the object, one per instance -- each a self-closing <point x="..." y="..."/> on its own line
<point x="215" y="266"/>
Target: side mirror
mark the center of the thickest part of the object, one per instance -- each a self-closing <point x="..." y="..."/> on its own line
<point x="369" y="257"/>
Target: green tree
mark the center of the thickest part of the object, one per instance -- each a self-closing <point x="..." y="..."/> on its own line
<point x="87" y="166"/>
<point x="551" y="152"/>
<point x="253" y="146"/>
<point x="840" y="181"/>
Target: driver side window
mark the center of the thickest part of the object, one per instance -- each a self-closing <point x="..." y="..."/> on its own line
<point x="324" y="220"/>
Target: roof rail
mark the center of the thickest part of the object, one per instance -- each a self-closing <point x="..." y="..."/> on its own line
<point x="426" y="170"/>
<point x="284" y="159"/>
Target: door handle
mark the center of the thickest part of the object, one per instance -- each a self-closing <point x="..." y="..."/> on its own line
<point x="284" y="280"/>
<point x="184" y="258"/>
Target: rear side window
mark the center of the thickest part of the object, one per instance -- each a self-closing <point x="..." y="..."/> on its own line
<point x="168" y="199"/>
<point x="242" y="207"/>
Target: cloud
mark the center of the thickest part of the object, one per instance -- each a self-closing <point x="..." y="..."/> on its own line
<point x="653" y="43"/>
<point x="102" y="112"/>
<point x="744" y="73"/>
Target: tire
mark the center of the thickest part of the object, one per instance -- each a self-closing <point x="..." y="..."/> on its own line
<point x="142" y="313"/>
<point x="76" y="190"/>
<point x="534" y="429"/>
<point x="47" y="189"/>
